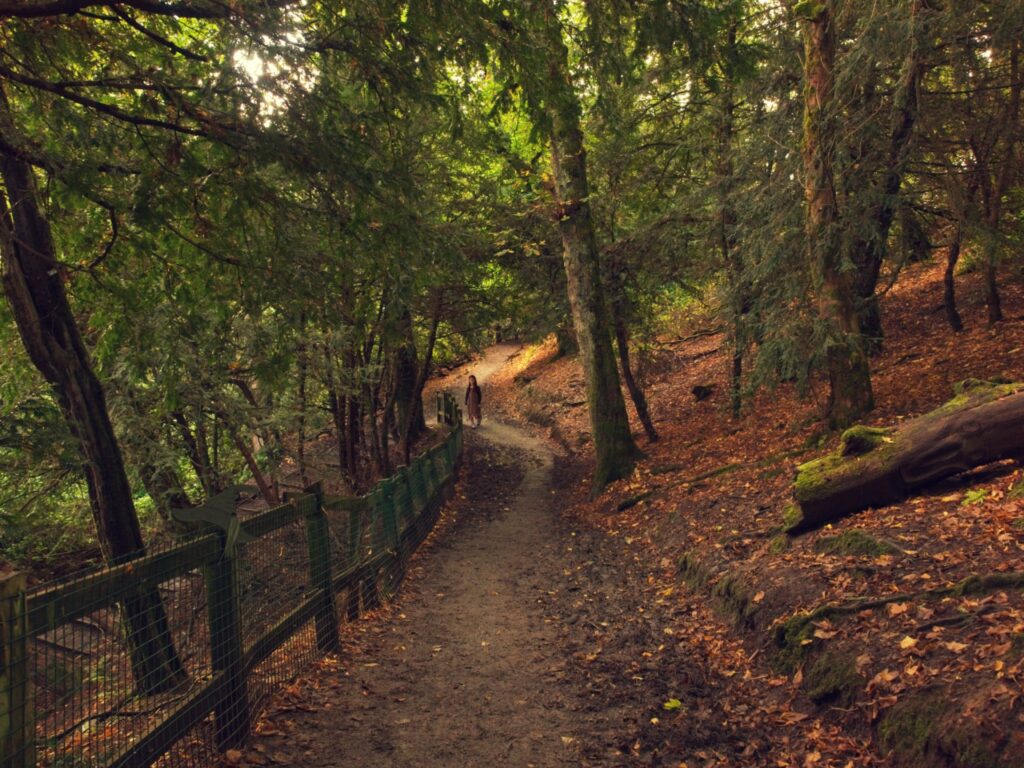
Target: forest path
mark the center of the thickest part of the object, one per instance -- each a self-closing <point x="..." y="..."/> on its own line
<point x="516" y="640"/>
<point x="466" y="672"/>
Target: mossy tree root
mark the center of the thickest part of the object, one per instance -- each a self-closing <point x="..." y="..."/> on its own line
<point x="790" y="634"/>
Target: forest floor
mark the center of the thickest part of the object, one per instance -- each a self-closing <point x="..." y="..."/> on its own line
<point x="666" y="622"/>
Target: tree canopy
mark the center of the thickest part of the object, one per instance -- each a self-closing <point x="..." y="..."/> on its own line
<point x="229" y="228"/>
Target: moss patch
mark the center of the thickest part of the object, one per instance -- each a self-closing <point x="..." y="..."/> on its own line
<point x="692" y="571"/>
<point x="779" y="544"/>
<point x="858" y="440"/>
<point x="908" y="728"/>
<point x="925" y="730"/>
<point x="792" y="639"/>
<point x="977" y="392"/>
<point x="791" y="517"/>
<point x="975" y="496"/>
<point x="733" y="596"/>
<point x="1017" y="491"/>
<point x="833" y="679"/>
<point x="854" y="543"/>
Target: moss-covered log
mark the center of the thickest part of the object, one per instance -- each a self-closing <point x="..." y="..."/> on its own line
<point x="874" y="467"/>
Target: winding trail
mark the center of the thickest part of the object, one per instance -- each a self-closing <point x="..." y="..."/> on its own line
<point x="470" y="670"/>
<point x="517" y="640"/>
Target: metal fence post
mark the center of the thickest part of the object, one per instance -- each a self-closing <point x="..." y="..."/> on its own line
<point x="17" y="736"/>
<point x="232" y="709"/>
<point x="319" y="540"/>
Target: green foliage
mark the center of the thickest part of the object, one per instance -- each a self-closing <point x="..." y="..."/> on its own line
<point x="233" y="199"/>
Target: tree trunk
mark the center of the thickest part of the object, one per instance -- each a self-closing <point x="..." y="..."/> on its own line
<point x="875" y="467"/>
<point x="615" y="451"/>
<point x="730" y="258"/>
<point x="302" y="374"/>
<point x="565" y="341"/>
<point x="267" y="489"/>
<point x="198" y="456"/>
<point x="869" y="253"/>
<point x="636" y="392"/>
<point x="993" y="303"/>
<point x="421" y="377"/>
<point x="34" y="286"/>
<point x="850" y="393"/>
<point x="411" y="420"/>
<point x="165" y="488"/>
<point x="952" y="257"/>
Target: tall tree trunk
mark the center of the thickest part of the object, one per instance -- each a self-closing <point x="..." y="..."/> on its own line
<point x="565" y="341"/>
<point x="615" y="451"/>
<point x="198" y="456"/>
<point x="411" y="420"/>
<point x="353" y="434"/>
<point x="267" y="487"/>
<point x="869" y="252"/>
<point x="303" y="374"/>
<point x="34" y="285"/>
<point x="636" y="392"/>
<point x="336" y="405"/>
<point x="850" y="393"/>
<point x="422" y="374"/>
<point x="730" y="258"/>
<point x="952" y="257"/>
<point x="159" y="478"/>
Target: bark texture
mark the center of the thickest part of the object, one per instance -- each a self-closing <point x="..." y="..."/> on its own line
<point x="34" y="285"/>
<point x="615" y="451"/>
<point x="850" y="393"/>
<point x="874" y="467"/>
<point x="870" y="252"/>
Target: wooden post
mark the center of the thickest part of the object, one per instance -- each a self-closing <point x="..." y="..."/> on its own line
<point x="405" y="503"/>
<point x="17" y="731"/>
<point x="419" y="484"/>
<point x="371" y="594"/>
<point x="387" y="503"/>
<point x="319" y="540"/>
<point x="433" y="474"/>
<point x="439" y="403"/>
<point x="355" y="541"/>
<point x="231" y="713"/>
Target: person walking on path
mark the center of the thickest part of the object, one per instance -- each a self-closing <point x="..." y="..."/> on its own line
<point x="473" y="400"/>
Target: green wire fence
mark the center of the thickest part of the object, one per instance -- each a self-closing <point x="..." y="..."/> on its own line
<point x="225" y="616"/>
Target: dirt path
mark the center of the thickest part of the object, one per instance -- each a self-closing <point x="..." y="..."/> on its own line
<point x="517" y="640"/>
<point x="470" y="670"/>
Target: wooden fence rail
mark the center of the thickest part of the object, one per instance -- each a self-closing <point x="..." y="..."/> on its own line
<point x="406" y="504"/>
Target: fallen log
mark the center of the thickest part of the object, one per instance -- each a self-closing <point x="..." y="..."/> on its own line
<point x="878" y="466"/>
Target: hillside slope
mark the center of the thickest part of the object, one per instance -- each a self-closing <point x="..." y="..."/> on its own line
<point x="906" y="620"/>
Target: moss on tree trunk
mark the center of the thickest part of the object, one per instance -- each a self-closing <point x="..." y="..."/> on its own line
<point x="615" y="451"/>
